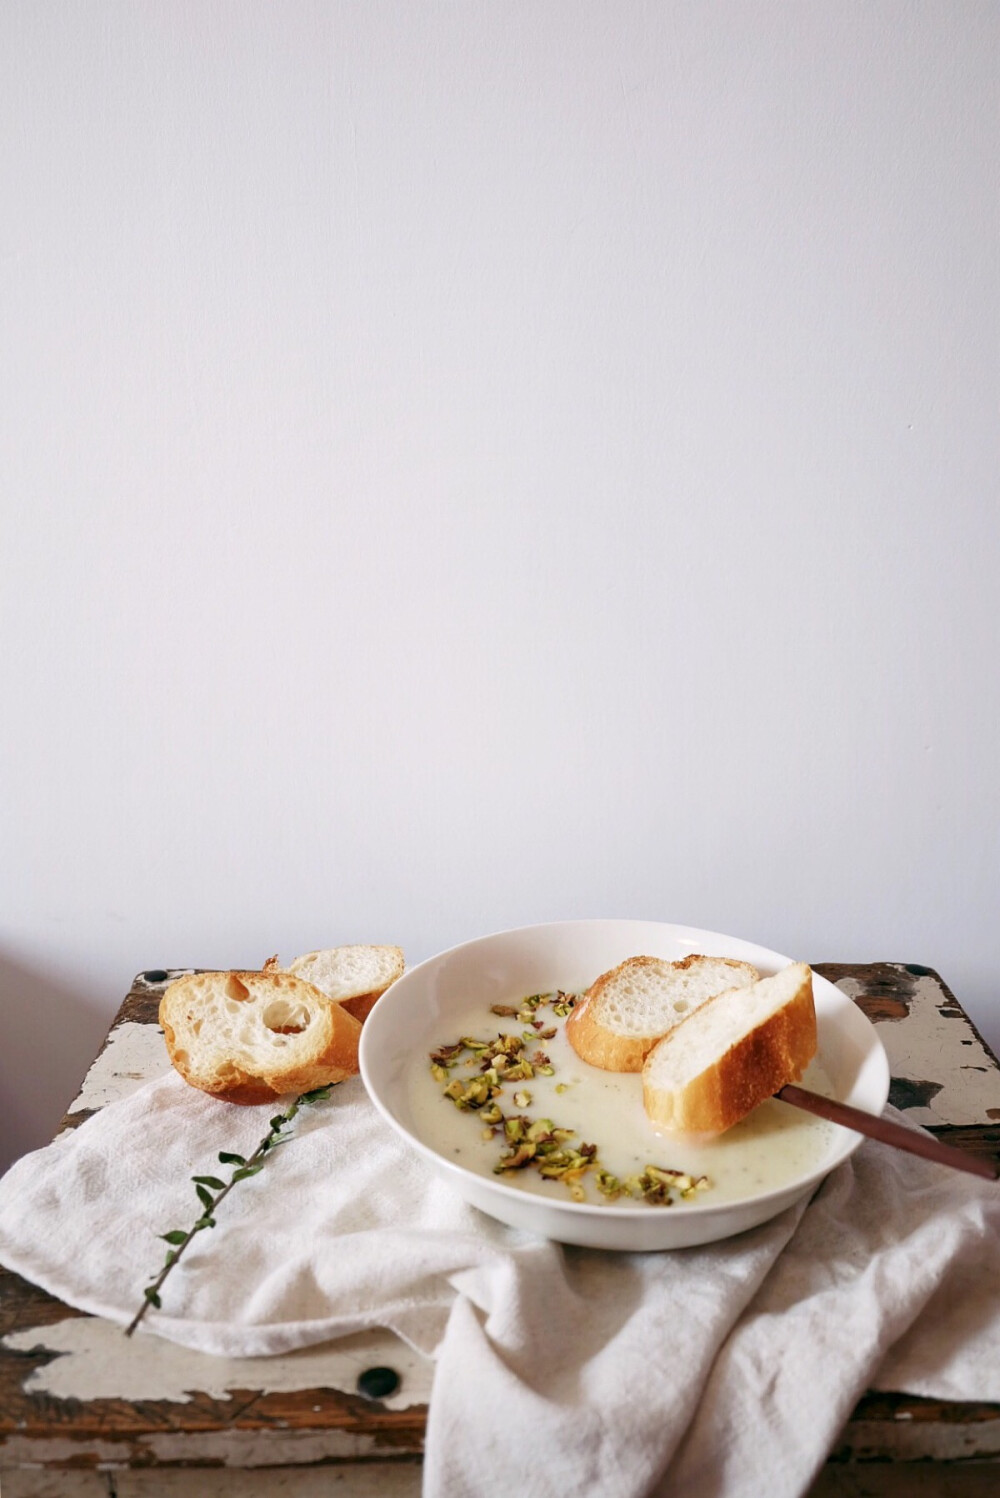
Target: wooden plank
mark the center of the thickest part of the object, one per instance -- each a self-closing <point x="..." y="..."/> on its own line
<point x="907" y="1480"/>
<point x="359" y="1480"/>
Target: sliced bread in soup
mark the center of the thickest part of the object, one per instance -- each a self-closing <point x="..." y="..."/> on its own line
<point x="627" y="1010"/>
<point x="732" y="1053"/>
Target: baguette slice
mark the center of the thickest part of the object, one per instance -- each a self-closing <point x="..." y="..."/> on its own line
<point x="626" y="1011"/>
<point x="253" y="1037"/>
<point x="731" y="1054"/>
<point x="353" y="977"/>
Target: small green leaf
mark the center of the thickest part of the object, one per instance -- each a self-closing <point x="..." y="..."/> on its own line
<point x="205" y="1197"/>
<point x="171" y="1258"/>
<point x="278" y="1121"/>
<point x="212" y="1181"/>
<point x="204" y="1222"/>
<point x="152" y="1296"/>
<point x="318" y="1095"/>
<point x="174" y="1236"/>
<point x="246" y="1170"/>
<point x="226" y="1157"/>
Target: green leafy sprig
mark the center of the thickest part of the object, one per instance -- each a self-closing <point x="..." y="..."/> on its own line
<point x="177" y="1239"/>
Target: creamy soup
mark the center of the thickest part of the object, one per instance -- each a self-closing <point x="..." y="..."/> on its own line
<point x="598" y="1124"/>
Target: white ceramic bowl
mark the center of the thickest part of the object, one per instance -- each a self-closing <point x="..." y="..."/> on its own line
<point x="419" y="1010"/>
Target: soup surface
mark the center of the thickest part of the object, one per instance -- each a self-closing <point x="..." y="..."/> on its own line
<point x="536" y="1117"/>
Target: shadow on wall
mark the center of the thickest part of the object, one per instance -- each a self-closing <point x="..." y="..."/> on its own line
<point x="49" y="1034"/>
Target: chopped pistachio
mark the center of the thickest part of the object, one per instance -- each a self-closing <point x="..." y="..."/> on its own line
<point x="608" y="1184"/>
<point x="445" y="1054"/>
<point x="521" y="1071"/>
<point x="675" y="1178"/>
<point x="538" y="1142"/>
<point x="516" y="1161"/>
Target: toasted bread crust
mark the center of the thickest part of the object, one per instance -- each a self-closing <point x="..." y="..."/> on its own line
<point x="594" y="1042"/>
<point x="776" y="1052"/>
<point x="603" y="1048"/>
<point x="212" y="1062"/>
<point x="360" y="1005"/>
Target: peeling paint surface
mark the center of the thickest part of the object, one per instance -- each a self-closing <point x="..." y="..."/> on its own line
<point x="97" y="1361"/>
<point x="133" y="1056"/>
<point x="933" y="1029"/>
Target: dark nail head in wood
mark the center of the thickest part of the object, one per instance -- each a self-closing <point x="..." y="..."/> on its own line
<point x="378" y="1383"/>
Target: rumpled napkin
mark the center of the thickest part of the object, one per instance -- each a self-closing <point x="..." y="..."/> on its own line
<point x="723" y="1370"/>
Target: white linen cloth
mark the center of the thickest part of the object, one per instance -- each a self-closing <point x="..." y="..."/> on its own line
<point x="726" y="1371"/>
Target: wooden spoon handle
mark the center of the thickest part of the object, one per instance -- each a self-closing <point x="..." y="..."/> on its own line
<point x="887" y="1133"/>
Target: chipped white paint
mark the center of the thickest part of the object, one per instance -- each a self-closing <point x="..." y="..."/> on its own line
<point x="935" y="1042"/>
<point x="262" y="1448"/>
<point x="133" y="1056"/>
<point x="99" y="1362"/>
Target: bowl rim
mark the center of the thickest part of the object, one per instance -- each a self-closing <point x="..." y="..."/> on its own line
<point x="875" y="1056"/>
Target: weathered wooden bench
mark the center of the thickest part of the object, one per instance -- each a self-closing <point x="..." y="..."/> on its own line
<point x="85" y="1413"/>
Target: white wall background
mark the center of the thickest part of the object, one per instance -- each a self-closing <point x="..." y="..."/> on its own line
<point x="464" y="464"/>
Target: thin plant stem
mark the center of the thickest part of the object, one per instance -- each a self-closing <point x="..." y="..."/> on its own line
<point x="179" y="1240"/>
